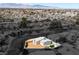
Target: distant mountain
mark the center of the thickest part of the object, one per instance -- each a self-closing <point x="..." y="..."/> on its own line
<point x="12" y="5"/>
<point x="44" y="6"/>
<point x="39" y="6"/>
<point x="19" y="5"/>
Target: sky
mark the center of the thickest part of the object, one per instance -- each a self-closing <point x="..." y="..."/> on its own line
<point x="55" y="3"/>
<point x="64" y="5"/>
<point x="59" y="5"/>
<point x="40" y="1"/>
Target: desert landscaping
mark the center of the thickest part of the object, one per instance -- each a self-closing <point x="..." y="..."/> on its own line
<point x="19" y="25"/>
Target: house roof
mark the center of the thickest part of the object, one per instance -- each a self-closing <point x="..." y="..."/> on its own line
<point x="38" y="39"/>
<point x="31" y="45"/>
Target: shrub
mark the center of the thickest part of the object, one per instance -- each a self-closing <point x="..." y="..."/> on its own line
<point x="77" y="21"/>
<point x="55" y="24"/>
<point x="23" y="23"/>
<point x="62" y="40"/>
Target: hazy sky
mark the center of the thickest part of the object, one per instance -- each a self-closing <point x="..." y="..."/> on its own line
<point x="64" y="5"/>
<point x="39" y="1"/>
<point x="60" y="5"/>
<point x="55" y="3"/>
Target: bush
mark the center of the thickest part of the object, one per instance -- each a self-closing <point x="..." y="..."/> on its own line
<point x="62" y="40"/>
<point x="23" y="23"/>
<point x="55" y="24"/>
<point x="77" y="21"/>
<point x="51" y="46"/>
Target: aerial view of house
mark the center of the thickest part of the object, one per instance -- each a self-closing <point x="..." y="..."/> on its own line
<point x="40" y="43"/>
<point x="39" y="28"/>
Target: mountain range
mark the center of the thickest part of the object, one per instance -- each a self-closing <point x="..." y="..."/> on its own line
<point x="20" y="5"/>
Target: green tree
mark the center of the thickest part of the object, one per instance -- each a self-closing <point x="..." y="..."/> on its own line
<point x="23" y="23"/>
<point x="77" y="21"/>
<point x="55" y="24"/>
